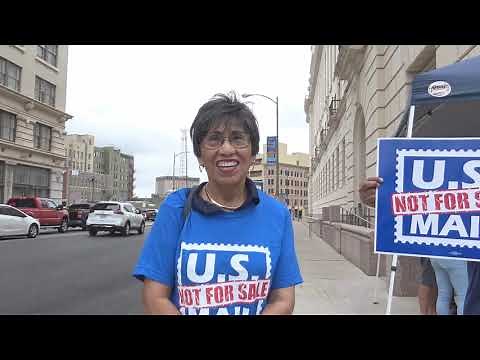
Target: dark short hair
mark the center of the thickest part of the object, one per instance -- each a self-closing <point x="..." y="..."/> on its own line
<point x="224" y="109"/>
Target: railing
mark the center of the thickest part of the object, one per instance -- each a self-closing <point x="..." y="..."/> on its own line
<point x="358" y="215"/>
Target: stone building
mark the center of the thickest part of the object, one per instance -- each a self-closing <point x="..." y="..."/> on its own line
<point x="165" y="184"/>
<point x="293" y="177"/>
<point x="33" y="81"/>
<point x="356" y="94"/>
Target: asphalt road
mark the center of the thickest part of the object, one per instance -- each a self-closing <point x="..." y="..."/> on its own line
<point x="70" y="274"/>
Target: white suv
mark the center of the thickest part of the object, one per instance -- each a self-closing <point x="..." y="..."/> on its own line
<point x="114" y="216"/>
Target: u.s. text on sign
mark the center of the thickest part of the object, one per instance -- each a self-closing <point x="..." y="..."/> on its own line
<point x="429" y="203"/>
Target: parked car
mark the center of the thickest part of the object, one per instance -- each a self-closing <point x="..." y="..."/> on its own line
<point x="14" y="222"/>
<point x="151" y="214"/>
<point x="114" y="216"/>
<point x="45" y="210"/>
<point x="78" y="214"/>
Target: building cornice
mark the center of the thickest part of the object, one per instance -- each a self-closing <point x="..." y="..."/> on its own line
<point x="30" y="104"/>
<point x="32" y="150"/>
<point x="314" y="66"/>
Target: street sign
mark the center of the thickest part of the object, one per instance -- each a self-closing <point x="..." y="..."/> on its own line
<point x="429" y="202"/>
<point x="271" y="150"/>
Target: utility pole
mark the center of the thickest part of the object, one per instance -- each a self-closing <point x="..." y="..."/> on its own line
<point x="277" y="191"/>
<point x="185" y="140"/>
<point x="173" y="176"/>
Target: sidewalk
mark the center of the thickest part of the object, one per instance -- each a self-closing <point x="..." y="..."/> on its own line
<point x="332" y="285"/>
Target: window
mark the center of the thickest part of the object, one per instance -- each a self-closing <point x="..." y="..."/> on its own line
<point x="7" y="126"/>
<point x="9" y="74"/>
<point x="44" y="91"/>
<point x="343" y="161"/>
<point x="14" y="212"/>
<point x="48" y="53"/>
<point x="42" y="136"/>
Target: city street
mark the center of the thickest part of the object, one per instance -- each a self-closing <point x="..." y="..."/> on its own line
<point x="70" y="273"/>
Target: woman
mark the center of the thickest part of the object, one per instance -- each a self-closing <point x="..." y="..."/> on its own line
<point x="234" y="254"/>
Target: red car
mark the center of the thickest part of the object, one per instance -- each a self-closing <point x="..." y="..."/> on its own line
<point x="46" y="211"/>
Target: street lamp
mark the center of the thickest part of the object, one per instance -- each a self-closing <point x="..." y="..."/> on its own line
<point x="174" y="157"/>
<point x="277" y="172"/>
<point x="92" y="179"/>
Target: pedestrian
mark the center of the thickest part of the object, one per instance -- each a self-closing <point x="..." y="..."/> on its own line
<point x="452" y="281"/>
<point x="234" y="253"/>
<point x="427" y="288"/>
<point x="440" y="280"/>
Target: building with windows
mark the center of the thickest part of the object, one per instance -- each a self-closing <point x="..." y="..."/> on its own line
<point x="80" y="150"/>
<point x="358" y="93"/>
<point x="293" y="178"/>
<point x="165" y="184"/>
<point x="33" y="82"/>
<point x="108" y="160"/>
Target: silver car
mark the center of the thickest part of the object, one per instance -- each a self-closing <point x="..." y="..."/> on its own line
<point x="115" y="216"/>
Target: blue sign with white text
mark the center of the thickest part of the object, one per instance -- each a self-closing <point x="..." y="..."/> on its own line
<point x="271" y="150"/>
<point x="429" y="202"/>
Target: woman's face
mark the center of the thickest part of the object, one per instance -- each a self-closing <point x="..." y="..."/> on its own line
<point x="226" y="160"/>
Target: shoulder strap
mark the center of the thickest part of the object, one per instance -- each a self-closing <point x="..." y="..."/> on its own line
<point x="187" y="208"/>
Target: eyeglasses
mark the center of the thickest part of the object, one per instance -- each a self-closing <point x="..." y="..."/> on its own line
<point x="239" y="140"/>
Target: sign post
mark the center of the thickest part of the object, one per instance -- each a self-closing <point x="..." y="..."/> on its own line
<point x="393" y="268"/>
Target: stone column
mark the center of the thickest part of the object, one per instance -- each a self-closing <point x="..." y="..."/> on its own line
<point x="56" y="185"/>
<point x="8" y="180"/>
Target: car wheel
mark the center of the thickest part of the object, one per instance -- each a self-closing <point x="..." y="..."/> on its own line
<point x="141" y="229"/>
<point x="92" y="232"/>
<point x="63" y="226"/>
<point x="33" y="231"/>
<point x="126" y="229"/>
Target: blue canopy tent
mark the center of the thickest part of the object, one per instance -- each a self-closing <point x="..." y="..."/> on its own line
<point x="454" y="108"/>
<point x="444" y="102"/>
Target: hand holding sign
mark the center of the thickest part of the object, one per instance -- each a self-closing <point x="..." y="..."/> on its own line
<point x="368" y="189"/>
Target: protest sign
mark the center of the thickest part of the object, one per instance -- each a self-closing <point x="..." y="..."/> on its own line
<point x="429" y="203"/>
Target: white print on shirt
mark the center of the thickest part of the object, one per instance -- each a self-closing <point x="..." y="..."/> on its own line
<point x="227" y="275"/>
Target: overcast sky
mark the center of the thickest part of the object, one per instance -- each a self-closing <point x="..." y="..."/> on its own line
<point x="138" y="98"/>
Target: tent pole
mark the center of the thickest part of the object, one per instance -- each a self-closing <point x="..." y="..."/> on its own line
<point x="395" y="256"/>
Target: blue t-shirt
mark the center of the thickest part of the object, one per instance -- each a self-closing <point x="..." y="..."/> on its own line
<point x="221" y="262"/>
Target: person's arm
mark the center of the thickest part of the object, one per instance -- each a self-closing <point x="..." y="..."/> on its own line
<point x="367" y="190"/>
<point x="156" y="299"/>
<point x="280" y="302"/>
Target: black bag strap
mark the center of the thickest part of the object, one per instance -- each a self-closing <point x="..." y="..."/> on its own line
<point x="187" y="208"/>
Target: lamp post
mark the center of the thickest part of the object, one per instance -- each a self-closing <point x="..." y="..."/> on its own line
<point x="93" y="186"/>
<point x="277" y="172"/>
<point x="174" y="157"/>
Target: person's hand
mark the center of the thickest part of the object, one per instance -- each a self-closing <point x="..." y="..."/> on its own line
<point x="367" y="190"/>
